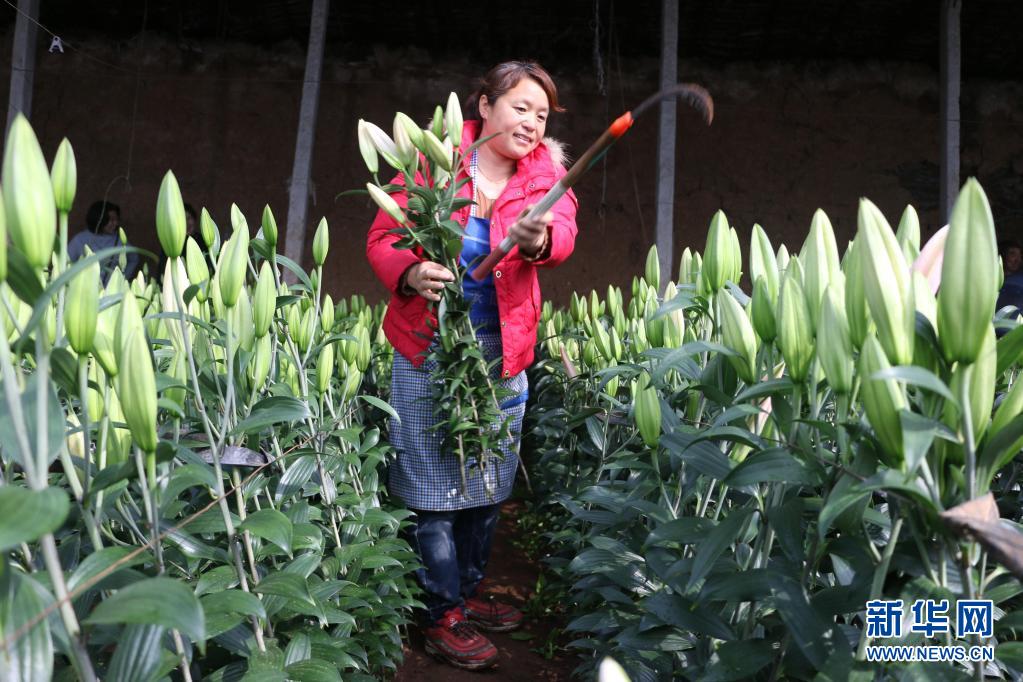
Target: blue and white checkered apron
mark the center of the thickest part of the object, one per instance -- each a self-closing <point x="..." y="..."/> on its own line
<point x="424" y="476"/>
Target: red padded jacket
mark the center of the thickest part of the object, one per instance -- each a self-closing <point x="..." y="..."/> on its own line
<point x="409" y="319"/>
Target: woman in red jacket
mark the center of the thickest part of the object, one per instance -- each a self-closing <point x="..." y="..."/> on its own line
<point x="509" y="173"/>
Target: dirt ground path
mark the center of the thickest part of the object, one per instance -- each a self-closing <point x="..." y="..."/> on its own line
<point x="512" y="577"/>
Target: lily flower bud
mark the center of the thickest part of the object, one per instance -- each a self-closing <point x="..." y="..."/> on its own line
<point x="364" y="352"/>
<point x="28" y="195"/>
<point x="782" y="258"/>
<point x="414" y="132"/>
<point x="795" y="336"/>
<point x="265" y="301"/>
<point x="170" y="216"/>
<point x="269" y="224"/>
<point x="403" y="143"/>
<point x="175" y="276"/>
<point x="197" y="269"/>
<point x="737" y="335"/>
<point x="386" y="202"/>
<point x="321" y="243"/>
<point x="259" y="368"/>
<point x="980" y="391"/>
<point x="652" y="271"/>
<point x="3" y="241"/>
<point x="820" y="262"/>
<point x="385" y="146"/>
<point x="240" y="315"/>
<point x="129" y="318"/>
<point x="367" y="148"/>
<point x="353" y="382"/>
<point x="137" y="390"/>
<point x="327" y="314"/>
<point x="437" y="125"/>
<point x="324" y="368"/>
<point x="685" y="267"/>
<point x="882" y="400"/>
<point x="647" y="411"/>
<point x="762" y="311"/>
<point x="908" y="234"/>
<point x="234" y="267"/>
<point x="717" y="259"/>
<point x="834" y="346"/>
<point x="436" y="151"/>
<point x="857" y="312"/>
<point x="210" y="233"/>
<point x="969" y="276"/>
<point x="122" y="260"/>
<point x="763" y="263"/>
<point x="611" y="671"/>
<point x="64" y="175"/>
<point x="886" y="284"/>
<point x="590" y="354"/>
<point x="931" y="257"/>
<point x="735" y="256"/>
<point x="453" y="118"/>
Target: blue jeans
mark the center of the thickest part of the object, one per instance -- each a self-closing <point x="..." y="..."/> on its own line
<point x="454" y="547"/>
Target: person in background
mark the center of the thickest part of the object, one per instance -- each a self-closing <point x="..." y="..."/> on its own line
<point x="1012" y="256"/>
<point x="453" y="533"/>
<point x="101" y="223"/>
<point x="1012" y="286"/>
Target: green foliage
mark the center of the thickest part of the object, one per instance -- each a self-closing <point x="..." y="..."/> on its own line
<point x="746" y="541"/>
<point x="250" y="534"/>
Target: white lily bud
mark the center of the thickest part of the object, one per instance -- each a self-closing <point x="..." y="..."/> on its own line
<point x="386" y="202"/>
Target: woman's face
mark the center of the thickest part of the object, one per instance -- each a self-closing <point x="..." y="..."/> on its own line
<point x="518" y="118"/>
<point x="1013" y="259"/>
<point x="113" y="221"/>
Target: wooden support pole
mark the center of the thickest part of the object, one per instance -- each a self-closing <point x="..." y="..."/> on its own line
<point x="666" y="140"/>
<point x="23" y="61"/>
<point x="950" y="84"/>
<point x="298" y="193"/>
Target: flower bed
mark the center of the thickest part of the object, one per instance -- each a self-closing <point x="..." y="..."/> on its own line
<point x="190" y="467"/>
<point x="727" y="480"/>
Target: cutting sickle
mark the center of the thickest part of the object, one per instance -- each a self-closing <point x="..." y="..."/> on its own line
<point x="695" y="95"/>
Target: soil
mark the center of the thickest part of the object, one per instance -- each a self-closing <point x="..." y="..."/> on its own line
<point x="511" y="577"/>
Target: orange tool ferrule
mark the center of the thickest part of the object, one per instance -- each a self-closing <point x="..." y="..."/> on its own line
<point x="621" y="124"/>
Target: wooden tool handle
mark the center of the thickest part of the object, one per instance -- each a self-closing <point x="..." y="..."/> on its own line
<point x="589" y="157"/>
<point x="484" y="268"/>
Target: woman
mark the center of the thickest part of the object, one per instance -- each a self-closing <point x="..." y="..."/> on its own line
<point x="101" y="223"/>
<point x="508" y="174"/>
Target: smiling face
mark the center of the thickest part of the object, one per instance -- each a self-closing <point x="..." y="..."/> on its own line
<point x="518" y="118"/>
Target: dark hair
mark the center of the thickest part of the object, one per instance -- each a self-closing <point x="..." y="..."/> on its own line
<point x="96" y="217"/>
<point x="506" y="76"/>
<point x="191" y="211"/>
<point x="1006" y="244"/>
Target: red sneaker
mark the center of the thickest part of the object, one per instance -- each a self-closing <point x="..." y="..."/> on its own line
<point x="454" y="640"/>
<point x="488" y="614"/>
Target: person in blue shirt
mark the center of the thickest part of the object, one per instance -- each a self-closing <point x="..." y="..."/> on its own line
<point x="101" y="223"/>
<point x="1012" y="287"/>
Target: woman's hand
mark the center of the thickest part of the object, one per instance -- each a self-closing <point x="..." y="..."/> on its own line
<point x="530" y="235"/>
<point x="427" y="279"/>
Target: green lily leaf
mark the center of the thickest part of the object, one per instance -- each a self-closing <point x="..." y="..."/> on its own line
<point x="26" y="515"/>
<point x="271" y="525"/>
<point x="154" y="601"/>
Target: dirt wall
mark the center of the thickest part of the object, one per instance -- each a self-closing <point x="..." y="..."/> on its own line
<point x="786" y="139"/>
